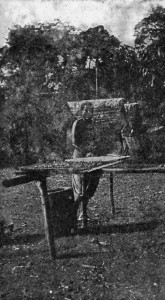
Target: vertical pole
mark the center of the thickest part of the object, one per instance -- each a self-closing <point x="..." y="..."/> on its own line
<point x="84" y="206"/>
<point x="48" y="226"/>
<point x="26" y="149"/>
<point x="96" y="79"/>
<point x="111" y="193"/>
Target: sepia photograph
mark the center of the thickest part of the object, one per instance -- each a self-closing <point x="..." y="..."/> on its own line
<point x="82" y="149"/>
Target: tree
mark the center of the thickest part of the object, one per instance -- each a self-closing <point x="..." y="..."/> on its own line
<point x="99" y="50"/>
<point x="27" y="62"/>
<point x="46" y="65"/>
<point x="110" y="68"/>
<point x="150" y="48"/>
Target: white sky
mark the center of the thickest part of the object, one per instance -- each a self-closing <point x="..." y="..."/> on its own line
<point x="118" y="16"/>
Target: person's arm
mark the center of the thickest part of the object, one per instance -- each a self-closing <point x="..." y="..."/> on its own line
<point x="77" y="129"/>
<point x="79" y="139"/>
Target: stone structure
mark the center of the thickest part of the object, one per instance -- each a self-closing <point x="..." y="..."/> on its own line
<point x="119" y="126"/>
<point x="107" y="118"/>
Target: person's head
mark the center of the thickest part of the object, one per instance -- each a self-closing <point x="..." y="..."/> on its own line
<point x="87" y="110"/>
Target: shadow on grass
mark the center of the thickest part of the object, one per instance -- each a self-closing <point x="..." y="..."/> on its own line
<point x="93" y="228"/>
<point x="23" y="239"/>
<point x="100" y="229"/>
<point x="120" y="228"/>
<point x="77" y="254"/>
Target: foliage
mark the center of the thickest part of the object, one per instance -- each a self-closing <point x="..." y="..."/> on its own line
<point x="43" y="67"/>
<point x="150" y="48"/>
<point x="30" y="110"/>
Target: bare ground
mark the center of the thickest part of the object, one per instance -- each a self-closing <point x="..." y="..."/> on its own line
<point x="122" y="257"/>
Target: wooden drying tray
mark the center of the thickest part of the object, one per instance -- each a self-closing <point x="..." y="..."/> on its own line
<point x="103" y="159"/>
<point x="89" y="164"/>
<point x="39" y="175"/>
<point x="70" y="166"/>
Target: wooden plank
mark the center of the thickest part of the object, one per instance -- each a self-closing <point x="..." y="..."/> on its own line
<point x="73" y="169"/>
<point x="84" y="206"/>
<point x="108" y="158"/>
<point x="48" y="223"/>
<point x="135" y="171"/>
<point x="16" y="181"/>
<point x="111" y="192"/>
<point x="104" y="166"/>
<point x="33" y="172"/>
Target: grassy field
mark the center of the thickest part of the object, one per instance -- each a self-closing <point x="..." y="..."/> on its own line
<point x="122" y="258"/>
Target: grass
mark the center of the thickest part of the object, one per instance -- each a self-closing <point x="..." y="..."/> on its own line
<point x="121" y="257"/>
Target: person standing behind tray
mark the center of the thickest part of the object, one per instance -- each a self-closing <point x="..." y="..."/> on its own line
<point x="83" y="139"/>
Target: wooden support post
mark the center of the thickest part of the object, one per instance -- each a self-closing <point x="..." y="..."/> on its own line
<point x="111" y="193"/>
<point x="84" y="205"/>
<point x="47" y="216"/>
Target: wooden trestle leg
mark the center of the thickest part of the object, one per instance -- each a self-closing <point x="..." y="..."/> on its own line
<point x="84" y="205"/>
<point x="48" y="224"/>
<point x="111" y="193"/>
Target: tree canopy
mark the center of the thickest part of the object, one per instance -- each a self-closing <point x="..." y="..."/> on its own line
<point x="150" y="48"/>
<point x="45" y="65"/>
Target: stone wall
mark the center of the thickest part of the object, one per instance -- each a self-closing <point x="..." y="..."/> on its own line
<point x="108" y="124"/>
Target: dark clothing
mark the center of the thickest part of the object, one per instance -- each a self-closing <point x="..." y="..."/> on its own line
<point x="91" y="182"/>
<point x="83" y="137"/>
